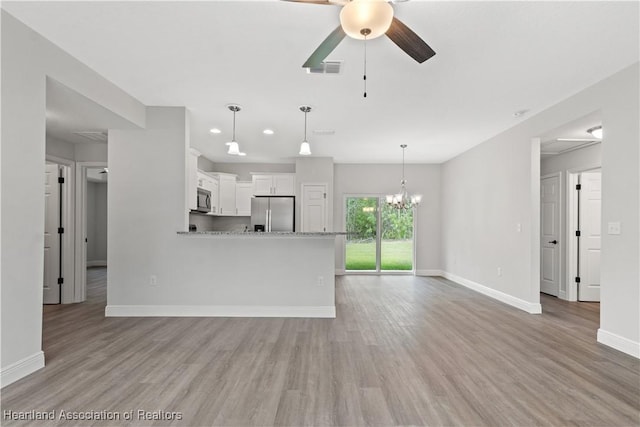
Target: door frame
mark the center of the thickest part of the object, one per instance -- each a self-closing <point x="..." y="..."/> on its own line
<point x="559" y="252"/>
<point x="326" y="203"/>
<point x="80" y="289"/>
<point x="573" y="175"/>
<point x="68" y="237"/>
<point x="378" y="271"/>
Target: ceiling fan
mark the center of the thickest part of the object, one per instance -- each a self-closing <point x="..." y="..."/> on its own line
<point x="366" y="20"/>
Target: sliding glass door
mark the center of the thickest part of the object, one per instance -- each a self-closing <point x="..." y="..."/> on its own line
<point x="380" y="237"/>
<point x="396" y="239"/>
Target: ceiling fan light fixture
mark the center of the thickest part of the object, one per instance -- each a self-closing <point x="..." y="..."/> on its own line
<point x="596" y="131"/>
<point x="366" y="18"/>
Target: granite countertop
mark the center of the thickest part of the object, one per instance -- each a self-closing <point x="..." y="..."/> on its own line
<point x="263" y="234"/>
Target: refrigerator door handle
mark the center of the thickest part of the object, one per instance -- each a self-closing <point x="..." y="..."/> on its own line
<point x="267" y="226"/>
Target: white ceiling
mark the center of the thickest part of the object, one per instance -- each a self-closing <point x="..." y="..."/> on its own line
<point x="493" y="58"/>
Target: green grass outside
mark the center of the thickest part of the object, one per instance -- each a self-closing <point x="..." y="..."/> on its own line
<point x="395" y="255"/>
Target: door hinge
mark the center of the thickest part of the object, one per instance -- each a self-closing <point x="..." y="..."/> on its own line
<point x="577" y="280"/>
<point x="324" y="195"/>
<point x="578" y="187"/>
<point x="60" y="280"/>
<point x="577" y="233"/>
<point x="60" y="230"/>
<point x="60" y="180"/>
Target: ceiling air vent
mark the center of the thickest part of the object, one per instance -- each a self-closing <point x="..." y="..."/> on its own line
<point x="97" y="136"/>
<point x="327" y="67"/>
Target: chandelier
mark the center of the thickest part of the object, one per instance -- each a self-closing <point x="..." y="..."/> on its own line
<point x="403" y="200"/>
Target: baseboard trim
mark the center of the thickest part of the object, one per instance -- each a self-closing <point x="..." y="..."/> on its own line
<point x="97" y="263"/>
<point x="21" y="368"/>
<point x="429" y="273"/>
<point x="619" y="343"/>
<point x="529" y="307"/>
<point x="219" y="311"/>
<point x="340" y="272"/>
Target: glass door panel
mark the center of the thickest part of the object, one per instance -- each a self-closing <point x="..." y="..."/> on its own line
<point x="396" y="243"/>
<point x="362" y="225"/>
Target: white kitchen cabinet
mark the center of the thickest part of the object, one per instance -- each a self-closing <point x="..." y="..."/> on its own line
<point x="212" y="184"/>
<point x="282" y="184"/>
<point x="227" y="194"/>
<point x="244" y="192"/>
<point x="192" y="179"/>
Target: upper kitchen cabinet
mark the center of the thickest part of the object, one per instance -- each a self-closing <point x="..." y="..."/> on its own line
<point x="244" y="191"/>
<point x="281" y="184"/>
<point x="227" y="194"/>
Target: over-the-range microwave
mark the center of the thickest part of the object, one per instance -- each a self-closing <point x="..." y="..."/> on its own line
<point x="204" y="201"/>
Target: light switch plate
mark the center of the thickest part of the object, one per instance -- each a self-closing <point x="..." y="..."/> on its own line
<point x="613" y="228"/>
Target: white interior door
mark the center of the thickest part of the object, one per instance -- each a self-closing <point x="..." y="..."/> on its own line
<point x="52" y="254"/>
<point x="590" y="235"/>
<point x="550" y="234"/>
<point x="314" y="207"/>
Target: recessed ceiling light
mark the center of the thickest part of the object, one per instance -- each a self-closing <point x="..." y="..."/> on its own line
<point x="215" y="130"/>
<point x="268" y="132"/>
<point x="520" y="113"/>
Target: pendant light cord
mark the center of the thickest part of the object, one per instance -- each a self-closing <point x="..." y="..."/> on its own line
<point x="364" y="77"/>
<point x="234" y="126"/>
<point x="305" y="125"/>
<point x="403" y="165"/>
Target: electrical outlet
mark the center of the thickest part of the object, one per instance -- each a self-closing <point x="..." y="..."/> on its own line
<point x="519" y="227"/>
<point x="153" y="280"/>
<point x="320" y="281"/>
<point x="499" y="271"/>
<point x="613" y="228"/>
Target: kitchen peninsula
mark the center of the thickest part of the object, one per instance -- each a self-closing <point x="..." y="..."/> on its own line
<point x="274" y="274"/>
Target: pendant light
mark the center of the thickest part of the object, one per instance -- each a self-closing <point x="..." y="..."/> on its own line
<point x="305" y="148"/>
<point x="402" y="200"/>
<point x="234" y="148"/>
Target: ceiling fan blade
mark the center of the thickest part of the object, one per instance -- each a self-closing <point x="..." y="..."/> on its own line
<point x="325" y="48"/>
<point x="409" y="41"/>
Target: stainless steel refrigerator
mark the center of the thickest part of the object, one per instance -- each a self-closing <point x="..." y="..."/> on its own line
<point x="273" y="213"/>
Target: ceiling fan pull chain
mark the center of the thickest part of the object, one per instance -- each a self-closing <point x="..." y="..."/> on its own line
<point x="364" y="77"/>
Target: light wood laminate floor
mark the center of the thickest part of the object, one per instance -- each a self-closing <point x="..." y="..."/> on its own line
<point x="402" y="351"/>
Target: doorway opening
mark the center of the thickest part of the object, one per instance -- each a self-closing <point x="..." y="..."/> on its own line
<point x="570" y="210"/>
<point x="380" y="238"/>
<point x="91" y="223"/>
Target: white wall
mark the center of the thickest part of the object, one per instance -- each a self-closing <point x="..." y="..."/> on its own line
<point x="96" y="222"/>
<point x="58" y="148"/>
<point x="385" y="179"/>
<point x="194" y="275"/>
<point x="27" y="59"/>
<point x="491" y="188"/>
<point x="314" y="170"/>
<point x="82" y="152"/>
<point x="581" y="159"/>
